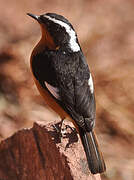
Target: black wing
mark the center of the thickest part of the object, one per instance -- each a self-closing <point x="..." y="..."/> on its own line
<point x="69" y="75"/>
<point x="77" y="93"/>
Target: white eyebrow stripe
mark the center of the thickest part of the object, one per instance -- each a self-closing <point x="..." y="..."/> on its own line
<point x="53" y="90"/>
<point x="72" y="43"/>
<point x="90" y="83"/>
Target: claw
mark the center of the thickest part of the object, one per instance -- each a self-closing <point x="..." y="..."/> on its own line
<point x="55" y="128"/>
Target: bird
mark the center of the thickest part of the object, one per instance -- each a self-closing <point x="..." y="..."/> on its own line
<point x="62" y="76"/>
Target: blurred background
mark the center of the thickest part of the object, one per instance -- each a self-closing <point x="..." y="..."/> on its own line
<point x="106" y="34"/>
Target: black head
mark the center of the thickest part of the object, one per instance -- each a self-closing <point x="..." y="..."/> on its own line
<point x="56" y="16"/>
<point x="60" y="30"/>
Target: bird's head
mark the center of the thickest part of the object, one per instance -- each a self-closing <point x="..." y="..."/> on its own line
<point x="57" y="31"/>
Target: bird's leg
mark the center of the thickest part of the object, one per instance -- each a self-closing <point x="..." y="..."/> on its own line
<point x="58" y="126"/>
<point x="65" y="129"/>
<point x="72" y="128"/>
<point x="61" y="128"/>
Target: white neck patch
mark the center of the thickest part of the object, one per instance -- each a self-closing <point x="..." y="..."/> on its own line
<point x="72" y="43"/>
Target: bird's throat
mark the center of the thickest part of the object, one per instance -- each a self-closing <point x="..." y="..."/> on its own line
<point x="46" y="41"/>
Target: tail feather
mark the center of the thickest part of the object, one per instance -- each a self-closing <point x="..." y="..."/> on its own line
<point x="94" y="156"/>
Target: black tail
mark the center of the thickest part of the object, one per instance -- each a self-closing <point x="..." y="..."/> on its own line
<point x="94" y="156"/>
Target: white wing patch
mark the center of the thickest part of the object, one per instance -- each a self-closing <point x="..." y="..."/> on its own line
<point x="53" y="90"/>
<point x="72" y="43"/>
<point x="90" y="83"/>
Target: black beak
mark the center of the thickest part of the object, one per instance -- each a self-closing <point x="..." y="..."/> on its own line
<point x="34" y="16"/>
